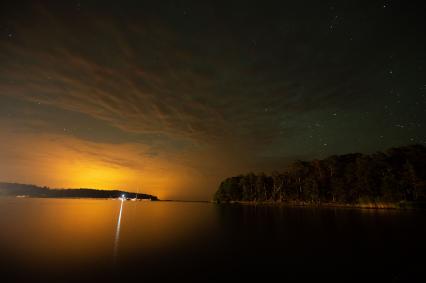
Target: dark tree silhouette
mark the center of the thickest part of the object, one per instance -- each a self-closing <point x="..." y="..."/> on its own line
<point x="397" y="175"/>
<point x="14" y="189"/>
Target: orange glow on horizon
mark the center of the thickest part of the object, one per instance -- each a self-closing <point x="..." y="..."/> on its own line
<point x="68" y="162"/>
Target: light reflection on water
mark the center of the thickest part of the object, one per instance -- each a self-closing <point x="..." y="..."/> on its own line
<point x="64" y="232"/>
<point x="82" y="237"/>
<point x="117" y="233"/>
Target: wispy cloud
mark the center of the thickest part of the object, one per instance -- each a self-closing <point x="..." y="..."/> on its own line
<point x="210" y="91"/>
<point x="151" y="78"/>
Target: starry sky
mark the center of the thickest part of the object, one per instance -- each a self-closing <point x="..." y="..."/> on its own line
<point x="171" y="97"/>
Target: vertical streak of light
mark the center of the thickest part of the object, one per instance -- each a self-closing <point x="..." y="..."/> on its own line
<point x="117" y="233"/>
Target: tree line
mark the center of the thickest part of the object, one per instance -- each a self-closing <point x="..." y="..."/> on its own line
<point x="398" y="174"/>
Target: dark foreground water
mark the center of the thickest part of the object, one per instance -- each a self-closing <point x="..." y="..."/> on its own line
<point x="85" y="240"/>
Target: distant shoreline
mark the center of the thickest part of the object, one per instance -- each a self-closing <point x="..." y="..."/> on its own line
<point x="99" y="198"/>
<point x="24" y="190"/>
<point x="72" y="198"/>
<point x="379" y="205"/>
<point x="371" y="206"/>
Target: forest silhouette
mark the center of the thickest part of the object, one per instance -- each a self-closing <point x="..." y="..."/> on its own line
<point x="396" y="176"/>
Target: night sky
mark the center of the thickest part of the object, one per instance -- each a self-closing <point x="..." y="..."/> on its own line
<point x="171" y="97"/>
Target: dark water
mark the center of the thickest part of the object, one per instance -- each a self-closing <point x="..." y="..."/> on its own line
<point x="82" y="240"/>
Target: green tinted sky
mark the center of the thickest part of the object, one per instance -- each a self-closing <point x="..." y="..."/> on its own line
<point x="172" y="97"/>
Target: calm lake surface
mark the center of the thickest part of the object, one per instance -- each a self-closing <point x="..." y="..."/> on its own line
<point x="83" y="240"/>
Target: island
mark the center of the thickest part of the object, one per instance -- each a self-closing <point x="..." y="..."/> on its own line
<point x="24" y="190"/>
<point x="395" y="178"/>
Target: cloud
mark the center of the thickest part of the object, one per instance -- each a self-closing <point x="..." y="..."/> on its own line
<point x="63" y="161"/>
<point x="211" y="91"/>
<point x="151" y="77"/>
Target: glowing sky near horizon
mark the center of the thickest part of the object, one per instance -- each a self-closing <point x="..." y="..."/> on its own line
<point x="172" y="97"/>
